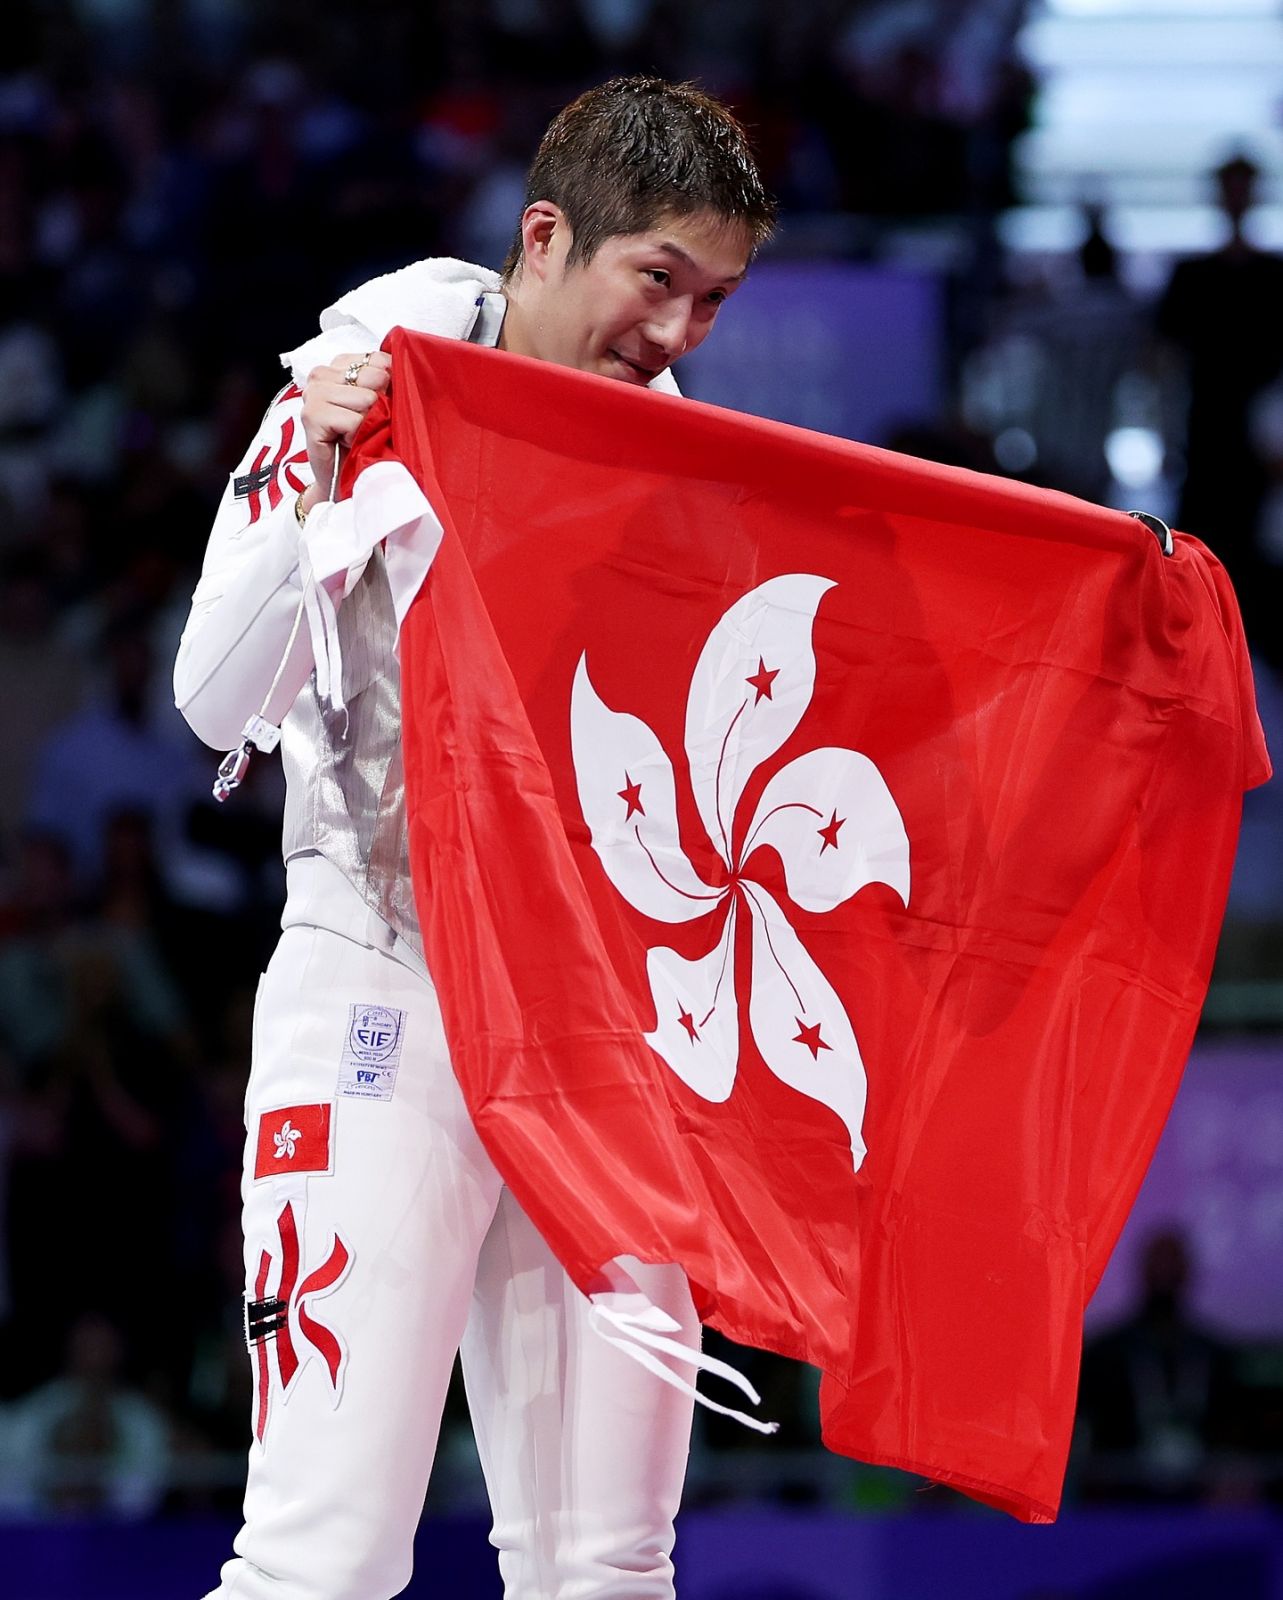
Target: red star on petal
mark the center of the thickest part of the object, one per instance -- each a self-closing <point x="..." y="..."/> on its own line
<point x="829" y="832"/>
<point x="688" y="1022"/>
<point x="762" y="680"/>
<point x="810" y="1037"/>
<point x="632" y="794"/>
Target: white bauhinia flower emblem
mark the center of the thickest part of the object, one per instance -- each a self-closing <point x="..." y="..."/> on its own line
<point x="285" y="1140"/>
<point x="828" y="814"/>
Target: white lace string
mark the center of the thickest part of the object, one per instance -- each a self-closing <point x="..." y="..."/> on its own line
<point x="645" y="1335"/>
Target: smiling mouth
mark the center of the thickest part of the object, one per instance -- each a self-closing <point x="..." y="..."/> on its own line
<point x="644" y="374"/>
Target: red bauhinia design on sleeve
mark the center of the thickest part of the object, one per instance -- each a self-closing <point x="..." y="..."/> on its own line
<point x="265" y="474"/>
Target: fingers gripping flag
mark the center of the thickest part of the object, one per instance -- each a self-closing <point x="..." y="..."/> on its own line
<point x="820" y="857"/>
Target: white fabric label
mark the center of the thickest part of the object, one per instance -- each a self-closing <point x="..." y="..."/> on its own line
<point x="371" y="1052"/>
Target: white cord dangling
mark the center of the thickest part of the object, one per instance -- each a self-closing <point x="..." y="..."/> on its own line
<point x="258" y="733"/>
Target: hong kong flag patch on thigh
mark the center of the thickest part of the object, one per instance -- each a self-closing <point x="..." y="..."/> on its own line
<point x="294" y="1139"/>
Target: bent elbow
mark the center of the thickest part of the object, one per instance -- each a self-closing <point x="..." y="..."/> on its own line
<point x="218" y="731"/>
<point x="212" y="720"/>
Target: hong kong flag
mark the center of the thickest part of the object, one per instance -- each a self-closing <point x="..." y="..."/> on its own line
<point x="820" y="856"/>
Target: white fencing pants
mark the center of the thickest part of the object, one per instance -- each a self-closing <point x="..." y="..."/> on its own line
<point x="378" y="1236"/>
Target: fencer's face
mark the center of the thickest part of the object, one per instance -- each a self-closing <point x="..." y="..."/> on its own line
<point x="641" y="302"/>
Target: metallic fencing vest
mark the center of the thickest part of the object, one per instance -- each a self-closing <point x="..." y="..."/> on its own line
<point x="344" y="775"/>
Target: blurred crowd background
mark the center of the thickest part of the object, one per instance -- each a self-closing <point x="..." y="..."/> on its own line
<point x="184" y="184"/>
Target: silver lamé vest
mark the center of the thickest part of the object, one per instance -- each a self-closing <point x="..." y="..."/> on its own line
<point x="345" y="782"/>
<point x="344" y="778"/>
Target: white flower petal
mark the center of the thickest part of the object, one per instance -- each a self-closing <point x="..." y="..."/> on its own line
<point x="696" y="1015"/>
<point x="831" y="817"/>
<point x="799" y="1024"/>
<point x="753" y="682"/>
<point x="629" y="801"/>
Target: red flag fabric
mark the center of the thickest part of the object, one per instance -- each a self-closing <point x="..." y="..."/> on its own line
<point x="820" y="856"/>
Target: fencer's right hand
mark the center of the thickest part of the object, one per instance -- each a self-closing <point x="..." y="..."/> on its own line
<point x="334" y="409"/>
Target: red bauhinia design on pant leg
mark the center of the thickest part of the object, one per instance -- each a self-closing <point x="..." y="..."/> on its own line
<point x="325" y="1277"/>
<point x="287" y="1360"/>
<point x="260" y="1351"/>
<point x="277" y="1317"/>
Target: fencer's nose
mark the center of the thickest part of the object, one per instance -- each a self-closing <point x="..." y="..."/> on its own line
<point x="667" y="328"/>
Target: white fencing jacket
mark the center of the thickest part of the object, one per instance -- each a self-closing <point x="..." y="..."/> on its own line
<point x="243" y="650"/>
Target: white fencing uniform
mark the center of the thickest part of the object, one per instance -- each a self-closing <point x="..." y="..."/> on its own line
<point x="378" y="1234"/>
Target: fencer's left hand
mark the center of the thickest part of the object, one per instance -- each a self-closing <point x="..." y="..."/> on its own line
<point x="334" y="407"/>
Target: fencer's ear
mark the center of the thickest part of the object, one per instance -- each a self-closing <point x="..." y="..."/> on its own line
<point x="545" y="237"/>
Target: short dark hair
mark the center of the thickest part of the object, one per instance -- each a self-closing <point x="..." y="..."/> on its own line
<point x="636" y="149"/>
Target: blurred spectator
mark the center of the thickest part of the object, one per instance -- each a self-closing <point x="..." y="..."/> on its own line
<point x="85" y="1442"/>
<point x="208" y="1269"/>
<point x="1062" y="369"/>
<point x="934" y="88"/>
<point x="1221" y="312"/>
<point x="129" y="922"/>
<point x="51" y="682"/>
<point x="1159" y="1393"/>
<point x="106" y="759"/>
<point x="36" y="923"/>
<point x="95" y="1029"/>
<point x="31" y="395"/>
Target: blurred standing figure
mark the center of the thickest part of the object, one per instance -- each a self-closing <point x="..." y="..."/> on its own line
<point x="1158" y="1390"/>
<point x="1223" y="312"/>
<point x="86" y="1442"/>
